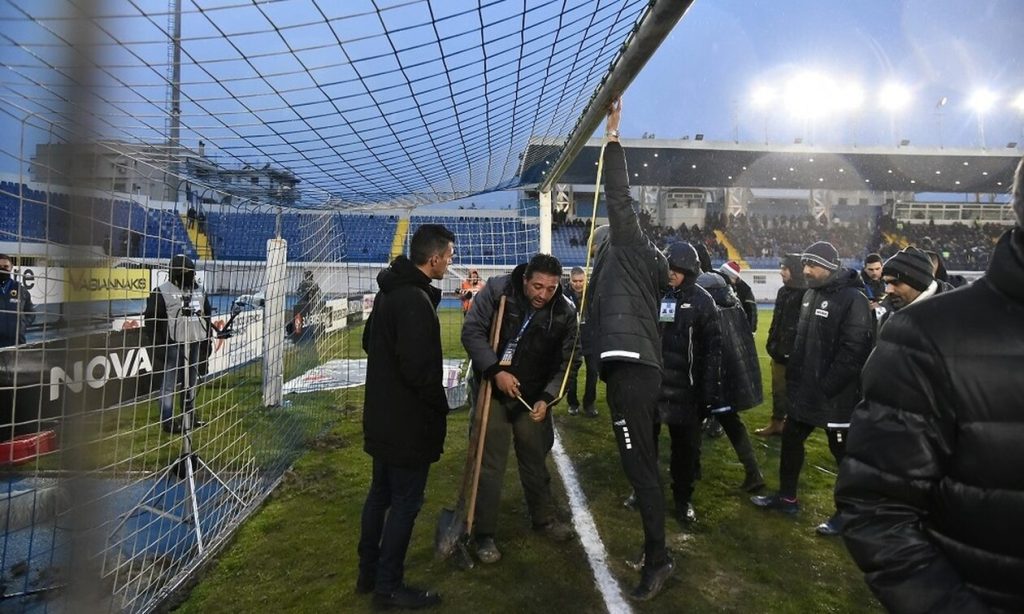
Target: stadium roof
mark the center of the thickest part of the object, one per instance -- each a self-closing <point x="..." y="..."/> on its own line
<point x="703" y="164"/>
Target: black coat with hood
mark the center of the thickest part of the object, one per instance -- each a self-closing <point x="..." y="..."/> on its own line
<point x="405" y="412"/>
<point x="782" y="332"/>
<point x="545" y="349"/>
<point x="833" y="339"/>
<point x="691" y="346"/>
<point x="741" y="371"/>
<point x="933" y="478"/>
<point x="629" y="275"/>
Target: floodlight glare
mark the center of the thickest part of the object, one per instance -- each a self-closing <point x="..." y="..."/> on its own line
<point x="809" y="95"/>
<point x="983" y="100"/>
<point x="1018" y="102"/>
<point x="894" y="97"/>
<point x="762" y="96"/>
<point x="848" y="97"/>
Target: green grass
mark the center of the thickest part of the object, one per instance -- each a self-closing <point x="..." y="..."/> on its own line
<point x="297" y="554"/>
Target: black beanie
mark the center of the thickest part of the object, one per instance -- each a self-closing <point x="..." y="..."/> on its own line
<point x="823" y="254"/>
<point x="911" y="266"/>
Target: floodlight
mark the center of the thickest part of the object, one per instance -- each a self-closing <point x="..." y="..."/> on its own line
<point x="983" y="100"/>
<point x="809" y="95"/>
<point x="894" y="96"/>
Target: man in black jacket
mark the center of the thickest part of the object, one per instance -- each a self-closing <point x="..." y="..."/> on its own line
<point x="536" y="347"/>
<point x="691" y="345"/>
<point x="404" y="414"/>
<point x="781" y="335"/>
<point x="871" y="275"/>
<point x="908" y="278"/>
<point x="931" y="482"/>
<point x="629" y="275"/>
<point x="16" y="309"/>
<point x="575" y="290"/>
<point x="730" y="271"/>
<point x="833" y="339"/>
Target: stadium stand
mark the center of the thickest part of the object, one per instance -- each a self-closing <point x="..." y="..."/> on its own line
<point x="963" y="247"/>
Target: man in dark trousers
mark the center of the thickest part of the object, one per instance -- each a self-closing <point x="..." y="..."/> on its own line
<point x="577" y="284"/>
<point x="16" y="309"/>
<point x="536" y="347"/>
<point x="629" y="276"/>
<point x="932" y="482"/>
<point x="834" y="336"/>
<point x="404" y="415"/>
<point x="781" y="335"/>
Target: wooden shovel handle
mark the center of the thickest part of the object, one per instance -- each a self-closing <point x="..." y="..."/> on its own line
<point x="485" y="414"/>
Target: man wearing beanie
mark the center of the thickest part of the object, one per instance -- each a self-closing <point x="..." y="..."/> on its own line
<point x="834" y="336"/>
<point x="908" y="278"/>
<point x="781" y="336"/>
<point x="731" y="272"/>
<point x="931" y="483"/>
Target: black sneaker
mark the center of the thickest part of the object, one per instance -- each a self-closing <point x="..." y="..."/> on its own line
<point x="653" y="580"/>
<point x="590" y="411"/>
<point x="406" y="598"/>
<point x="630" y="501"/>
<point x="574" y="410"/>
<point x="831" y="527"/>
<point x="686" y="517"/>
<point x="777" y="502"/>
<point x="171" y="425"/>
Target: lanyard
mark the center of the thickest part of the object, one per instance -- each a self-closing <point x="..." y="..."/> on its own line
<point x="510" y="349"/>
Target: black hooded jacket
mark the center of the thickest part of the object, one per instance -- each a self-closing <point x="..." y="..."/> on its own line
<point x="741" y="371"/>
<point x="691" y="345"/>
<point x="405" y="412"/>
<point x="629" y="275"/>
<point x="782" y="332"/>
<point x="933" y="478"/>
<point x="833" y="339"/>
<point x="544" y="351"/>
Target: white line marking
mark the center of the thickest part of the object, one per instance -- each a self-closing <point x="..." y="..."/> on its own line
<point x="583" y="522"/>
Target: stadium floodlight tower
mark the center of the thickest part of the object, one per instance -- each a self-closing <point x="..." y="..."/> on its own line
<point x="894" y="97"/>
<point x="659" y="19"/>
<point x="982" y="102"/>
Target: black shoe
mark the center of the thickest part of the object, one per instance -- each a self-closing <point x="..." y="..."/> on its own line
<point x="686" y="517"/>
<point x="365" y="584"/>
<point x="653" y="580"/>
<point x="406" y="598"/>
<point x="172" y="426"/>
<point x="831" y="527"/>
<point x="777" y="502"/>
<point x="630" y="502"/>
<point x="574" y="410"/>
<point x="590" y="411"/>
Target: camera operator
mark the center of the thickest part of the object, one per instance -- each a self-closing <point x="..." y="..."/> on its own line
<point x="177" y="320"/>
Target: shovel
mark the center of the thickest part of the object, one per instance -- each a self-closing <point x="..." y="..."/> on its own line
<point x="455" y="525"/>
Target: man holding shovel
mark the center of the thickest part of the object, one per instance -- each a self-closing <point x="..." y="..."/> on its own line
<point x="404" y="415"/>
<point x="536" y="346"/>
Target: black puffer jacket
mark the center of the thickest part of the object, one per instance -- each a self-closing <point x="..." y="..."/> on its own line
<point x="629" y="275"/>
<point x="833" y="339"/>
<point x="691" y="345"/>
<point x="782" y="332"/>
<point x="933" y="479"/>
<point x="546" y="348"/>
<point x="741" y="371"/>
<point x="405" y="412"/>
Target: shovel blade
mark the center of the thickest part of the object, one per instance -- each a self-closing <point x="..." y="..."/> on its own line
<point x="450" y="528"/>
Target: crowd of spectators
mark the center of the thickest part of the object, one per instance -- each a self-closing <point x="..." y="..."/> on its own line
<point x="762" y="236"/>
<point x="663" y="236"/>
<point x="963" y="247"/>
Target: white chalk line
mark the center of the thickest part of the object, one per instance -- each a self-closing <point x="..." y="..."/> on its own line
<point x="583" y="522"/>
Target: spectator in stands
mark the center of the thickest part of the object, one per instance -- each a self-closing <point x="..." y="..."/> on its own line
<point x="190" y="217"/>
<point x="781" y="335"/>
<point x="470" y="286"/>
<point x="537" y="346"/>
<point x="731" y="272"/>
<point x="177" y="323"/>
<point x="932" y="479"/>
<point x="908" y="278"/>
<point x="577" y="283"/>
<point x="691" y="385"/>
<point x="871" y="275"/>
<point x="629" y="275"/>
<point x="833" y="339"/>
<point x="404" y="414"/>
<point x="741" y="377"/>
<point x="17" y="312"/>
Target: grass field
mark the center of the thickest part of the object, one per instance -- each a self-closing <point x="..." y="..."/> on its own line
<point x="297" y="554"/>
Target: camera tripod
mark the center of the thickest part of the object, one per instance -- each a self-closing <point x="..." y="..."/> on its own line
<point x="188" y="463"/>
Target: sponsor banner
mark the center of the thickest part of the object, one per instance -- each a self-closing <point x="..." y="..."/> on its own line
<point x="349" y="373"/>
<point x="335" y="315"/>
<point x="245" y="343"/>
<point x="105" y="284"/>
<point x="87" y="373"/>
<point x="355" y="313"/>
<point x="44" y="284"/>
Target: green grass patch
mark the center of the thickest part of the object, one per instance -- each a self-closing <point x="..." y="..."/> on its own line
<point x="298" y="553"/>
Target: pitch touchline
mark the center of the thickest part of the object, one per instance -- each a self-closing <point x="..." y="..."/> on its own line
<point x="583" y="522"/>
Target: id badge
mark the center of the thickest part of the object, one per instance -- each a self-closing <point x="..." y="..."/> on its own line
<point x="668" y="311"/>
<point x="506" y="357"/>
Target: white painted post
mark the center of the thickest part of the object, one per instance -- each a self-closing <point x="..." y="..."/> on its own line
<point x="274" y="322"/>
<point x="545" y="222"/>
